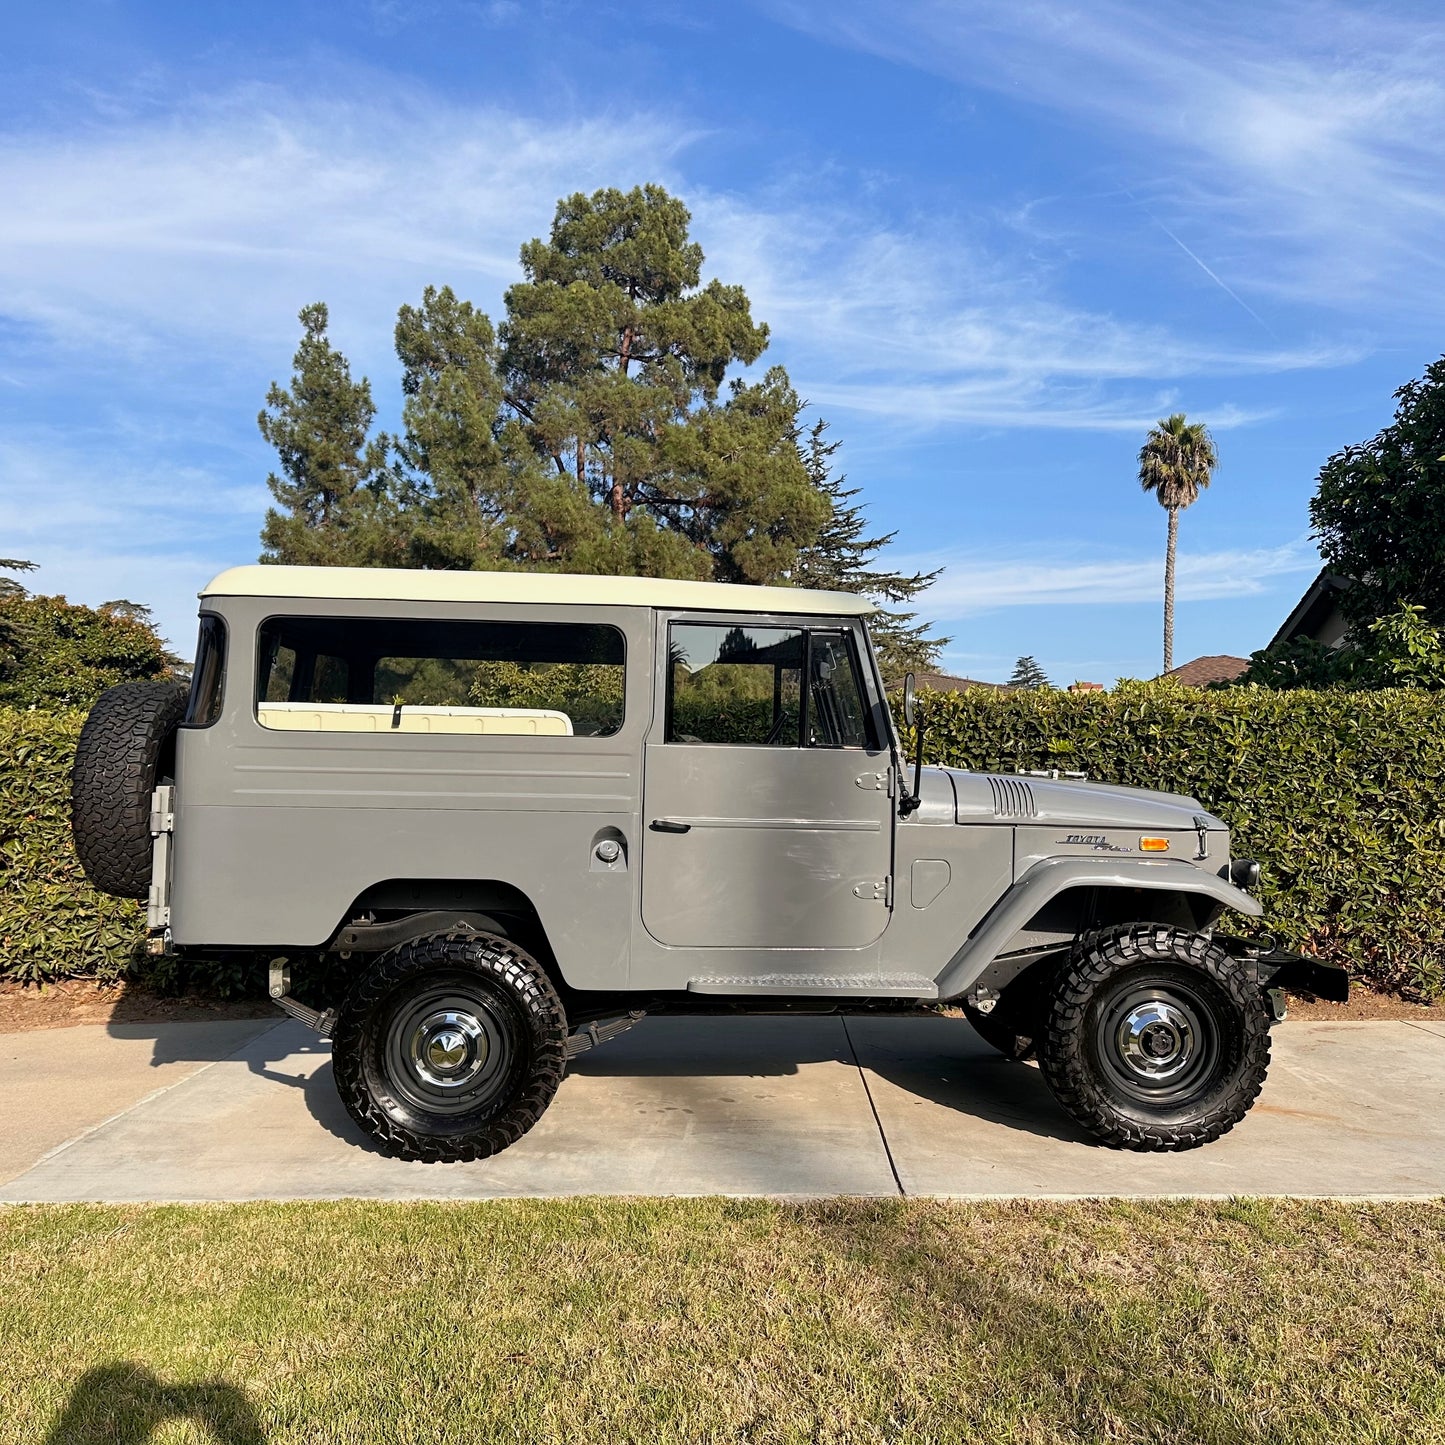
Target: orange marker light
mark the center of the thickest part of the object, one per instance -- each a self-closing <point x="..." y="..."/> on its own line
<point x="1153" y="845"/>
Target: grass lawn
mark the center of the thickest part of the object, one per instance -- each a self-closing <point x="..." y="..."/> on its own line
<point x="715" y="1321"/>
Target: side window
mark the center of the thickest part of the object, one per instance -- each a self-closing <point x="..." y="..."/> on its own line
<point x="208" y="680"/>
<point x="837" y="714"/>
<point x="729" y="683"/>
<point x="538" y="679"/>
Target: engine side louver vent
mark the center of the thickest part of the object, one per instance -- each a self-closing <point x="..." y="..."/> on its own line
<point x="1012" y="798"/>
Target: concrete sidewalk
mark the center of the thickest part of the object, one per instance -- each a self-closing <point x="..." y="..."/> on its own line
<point x="787" y="1107"/>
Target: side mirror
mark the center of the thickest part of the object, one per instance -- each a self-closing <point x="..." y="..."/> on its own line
<point x="909" y="802"/>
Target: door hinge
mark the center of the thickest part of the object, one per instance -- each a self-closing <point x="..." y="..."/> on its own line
<point x="875" y="890"/>
<point x="875" y="782"/>
<point x="163" y="817"/>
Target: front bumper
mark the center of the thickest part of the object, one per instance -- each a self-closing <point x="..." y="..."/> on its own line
<point x="1279" y="970"/>
<point x="1301" y="974"/>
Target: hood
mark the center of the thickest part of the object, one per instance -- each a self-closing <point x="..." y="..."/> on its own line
<point x="1016" y="798"/>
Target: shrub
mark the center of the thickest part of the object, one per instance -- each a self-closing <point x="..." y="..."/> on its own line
<point x="1338" y="794"/>
<point x="53" y="924"/>
<point x="56" y="654"/>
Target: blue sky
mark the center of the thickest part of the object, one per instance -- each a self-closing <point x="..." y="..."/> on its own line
<point x="994" y="241"/>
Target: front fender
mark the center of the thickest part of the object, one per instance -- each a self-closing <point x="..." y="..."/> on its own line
<point x="1053" y="876"/>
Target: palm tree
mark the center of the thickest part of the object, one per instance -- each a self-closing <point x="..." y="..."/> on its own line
<point x="1176" y="462"/>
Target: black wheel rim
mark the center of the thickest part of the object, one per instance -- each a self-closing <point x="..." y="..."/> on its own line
<point x="450" y="1048"/>
<point x="1158" y="1040"/>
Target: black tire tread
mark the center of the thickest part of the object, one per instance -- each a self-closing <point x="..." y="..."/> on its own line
<point x="1062" y="1061"/>
<point x="117" y="761"/>
<point x="521" y="975"/>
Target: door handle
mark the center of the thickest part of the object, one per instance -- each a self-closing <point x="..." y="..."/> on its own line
<point x="669" y="825"/>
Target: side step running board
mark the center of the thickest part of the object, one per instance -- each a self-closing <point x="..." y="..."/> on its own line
<point x="807" y="985"/>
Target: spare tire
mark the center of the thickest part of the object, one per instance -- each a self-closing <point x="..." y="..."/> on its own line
<point x="126" y="747"/>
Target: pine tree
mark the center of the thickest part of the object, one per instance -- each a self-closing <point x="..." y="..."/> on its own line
<point x="1029" y="676"/>
<point x="841" y="559"/>
<point x="333" y="484"/>
<point x="614" y="356"/>
<point x="595" y="431"/>
<point x="451" y="482"/>
<point x="9" y="587"/>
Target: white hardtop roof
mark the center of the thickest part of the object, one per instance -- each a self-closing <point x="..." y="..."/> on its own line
<point x="395" y="584"/>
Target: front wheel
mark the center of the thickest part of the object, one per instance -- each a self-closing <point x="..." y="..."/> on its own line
<point x="1156" y="1039"/>
<point x="450" y="1047"/>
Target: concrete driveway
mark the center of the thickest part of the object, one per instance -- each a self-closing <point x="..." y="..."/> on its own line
<point x="785" y="1107"/>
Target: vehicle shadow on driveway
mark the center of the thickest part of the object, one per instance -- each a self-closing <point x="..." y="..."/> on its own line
<point x="935" y="1059"/>
<point x="193" y="1043"/>
<point x="125" y="1404"/>
<point x="943" y="1061"/>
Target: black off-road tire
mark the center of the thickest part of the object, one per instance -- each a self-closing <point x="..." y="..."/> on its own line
<point x="381" y="1069"/>
<point x="126" y="747"/>
<point x="1087" y="1066"/>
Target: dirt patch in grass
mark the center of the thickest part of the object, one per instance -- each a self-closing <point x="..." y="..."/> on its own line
<point x="841" y="1323"/>
<point x="1365" y="1005"/>
<point x="81" y="1001"/>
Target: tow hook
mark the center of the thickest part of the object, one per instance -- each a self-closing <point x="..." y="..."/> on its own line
<point x="983" y="1000"/>
<point x="324" y="1022"/>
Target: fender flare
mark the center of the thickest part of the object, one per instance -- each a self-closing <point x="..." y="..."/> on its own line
<point x="1053" y="876"/>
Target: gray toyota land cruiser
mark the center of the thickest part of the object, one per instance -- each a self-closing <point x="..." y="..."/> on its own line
<point x="523" y="810"/>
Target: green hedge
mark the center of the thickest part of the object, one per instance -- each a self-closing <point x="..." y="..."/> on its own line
<point x="1340" y="795"/>
<point x="53" y="924"/>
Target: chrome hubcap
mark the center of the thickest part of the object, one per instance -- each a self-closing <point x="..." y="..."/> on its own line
<point x="1156" y="1040"/>
<point x="449" y="1048"/>
<point x="447" y="1052"/>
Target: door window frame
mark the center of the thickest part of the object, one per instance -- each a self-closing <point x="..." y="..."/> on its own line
<point x="874" y="740"/>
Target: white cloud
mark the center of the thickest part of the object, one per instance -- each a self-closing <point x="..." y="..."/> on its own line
<point x="120" y="529"/>
<point x="1298" y="144"/>
<point x="195" y="238"/>
<point x="986" y="582"/>
<point x="929" y="327"/>
<point x="215" y="223"/>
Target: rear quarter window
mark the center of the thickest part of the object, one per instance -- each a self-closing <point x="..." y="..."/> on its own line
<point x="208" y="680"/>
<point x="381" y="675"/>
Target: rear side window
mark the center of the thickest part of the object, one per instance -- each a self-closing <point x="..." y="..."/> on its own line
<point x="764" y="686"/>
<point x="208" y="680"/>
<point x="538" y="679"/>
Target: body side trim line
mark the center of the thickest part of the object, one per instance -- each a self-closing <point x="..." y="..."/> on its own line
<point x="819" y="825"/>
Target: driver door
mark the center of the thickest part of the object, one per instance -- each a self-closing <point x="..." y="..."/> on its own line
<point x="767" y="802"/>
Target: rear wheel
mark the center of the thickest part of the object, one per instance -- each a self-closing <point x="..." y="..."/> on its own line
<point x="450" y="1047"/>
<point x="1156" y="1039"/>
